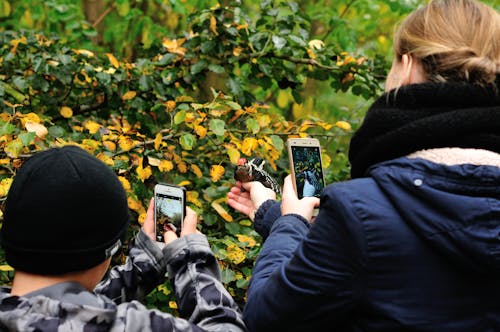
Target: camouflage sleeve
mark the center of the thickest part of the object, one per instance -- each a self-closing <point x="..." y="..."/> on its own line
<point x="201" y="297"/>
<point x="143" y="270"/>
<point x="194" y="272"/>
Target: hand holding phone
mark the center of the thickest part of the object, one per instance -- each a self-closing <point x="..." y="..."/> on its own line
<point x="305" y="165"/>
<point x="170" y="209"/>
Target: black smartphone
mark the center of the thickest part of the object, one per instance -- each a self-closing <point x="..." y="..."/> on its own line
<point x="306" y="167"/>
<point x="170" y="209"/>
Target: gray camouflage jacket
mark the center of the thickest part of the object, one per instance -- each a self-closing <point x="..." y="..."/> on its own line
<point x="112" y="306"/>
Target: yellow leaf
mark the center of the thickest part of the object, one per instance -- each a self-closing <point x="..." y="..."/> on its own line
<point x="196" y="170"/>
<point x="143" y="173"/>
<point x="90" y="145"/>
<point x="200" y="131"/>
<point x="316" y="44"/>
<point x="182" y="167"/>
<point x="5" y="117"/>
<point x="190" y="117"/>
<point x="84" y="52"/>
<point x="66" y="112"/>
<point x="235" y="254"/>
<point x="172" y="304"/>
<point x="174" y="45"/>
<point x="6" y="268"/>
<point x="37" y="128"/>
<point x="92" y="126"/>
<point x="234" y="155"/>
<point x="111" y="146"/>
<point x="347" y="78"/>
<point x="5" y="186"/>
<point x="264" y="120"/>
<point x="125" y="143"/>
<point x="105" y="159"/>
<point x="193" y="197"/>
<point x="112" y="60"/>
<point x="154" y="161"/>
<point x="222" y="212"/>
<point x="184" y="183"/>
<point x="237" y="51"/>
<point x="213" y="25"/>
<point x="141" y="218"/>
<point x="165" y="166"/>
<point x="326" y="160"/>
<point x="325" y="125"/>
<point x="129" y="95"/>
<point x="158" y="140"/>
<point x="343" y="125"/>
<point x="311" y="53"/>
<point x="135" y="205"/>
<point x="216" y="172"/>
<point x="248" y="239"/>
<point x="249" y="145"/>
<point x="170" y="105"/>
<point x="30" y="117"/>
<point x="125" y="183"/>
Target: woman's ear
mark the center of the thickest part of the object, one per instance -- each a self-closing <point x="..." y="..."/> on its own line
<point x="412" y="69"/>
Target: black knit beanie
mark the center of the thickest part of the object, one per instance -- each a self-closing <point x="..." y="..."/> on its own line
<point x="65" y="211"/>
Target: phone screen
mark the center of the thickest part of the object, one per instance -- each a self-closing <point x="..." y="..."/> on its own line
<point x="308" y="170"/>
<point x="169" y="214"/>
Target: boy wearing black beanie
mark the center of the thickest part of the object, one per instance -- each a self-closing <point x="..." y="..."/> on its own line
<point x="64" y="217"/>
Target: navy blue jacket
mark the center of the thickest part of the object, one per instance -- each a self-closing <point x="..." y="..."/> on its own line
<point x="414" y="246"/>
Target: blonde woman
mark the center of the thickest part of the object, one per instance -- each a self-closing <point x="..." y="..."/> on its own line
<point x="412" y="242"/>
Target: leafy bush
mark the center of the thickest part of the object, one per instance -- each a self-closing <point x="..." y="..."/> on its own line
<point x="184" y="113"/>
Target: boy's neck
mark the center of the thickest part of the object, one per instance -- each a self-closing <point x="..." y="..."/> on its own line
<point x="25" y="283"/>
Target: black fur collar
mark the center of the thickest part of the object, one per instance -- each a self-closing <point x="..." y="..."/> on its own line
<point x="424" y="116"/>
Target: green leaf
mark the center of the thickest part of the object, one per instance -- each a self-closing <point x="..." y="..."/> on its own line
<point x="233" y="105"/>
<point x="277" y="142"/>
<point x="6" y="128"/>
<point x="187" y="141"/>
<point x="279" y="42"/>
<point x="56" y="131"/>
<point x="234" y="86"/>
<point x="227" y="275"/>
<point x="207" y="46"/>
<point x="199" y="66"/>
<point x="14" y="148"/>
<point x="233" y="228"/>
<point x="298" y="40"/>
<point x="5" y="8"/>
<point x="179" y="117"/>
<point x="216" y="68"/>
<point x="253" y="125"/>
<point x="242" y="283"/>
<point x="123" y="7"/>
<point x="27" y="138"/>
<point x="217" y="126"/>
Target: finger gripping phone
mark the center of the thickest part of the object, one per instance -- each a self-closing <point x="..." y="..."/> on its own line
<point x="170" y="209"/>
<point x="305" y="165"/>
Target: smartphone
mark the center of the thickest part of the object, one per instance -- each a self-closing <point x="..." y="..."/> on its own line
<point x="170" y="209"/>
<point x="305" y="166"/>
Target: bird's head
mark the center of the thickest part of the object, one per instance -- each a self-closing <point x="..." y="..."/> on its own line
<point x="242" y="161"/>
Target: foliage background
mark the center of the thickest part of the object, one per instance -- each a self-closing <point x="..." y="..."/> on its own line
<point x="176" y="91"/>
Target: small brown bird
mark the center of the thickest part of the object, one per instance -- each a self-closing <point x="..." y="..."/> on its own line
<point x="253" y="170"/>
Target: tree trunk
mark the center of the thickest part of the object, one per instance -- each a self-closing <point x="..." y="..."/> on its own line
<point x="93" y="9"/>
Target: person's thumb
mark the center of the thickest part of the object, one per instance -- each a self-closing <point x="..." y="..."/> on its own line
<point x="190" y="221"/>
<point x="288" y="188"/>
<point x="169" y="236"/>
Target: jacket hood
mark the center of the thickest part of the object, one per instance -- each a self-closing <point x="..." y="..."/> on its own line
<point x="455" y="208"/>
<point x="57" y="308"/>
